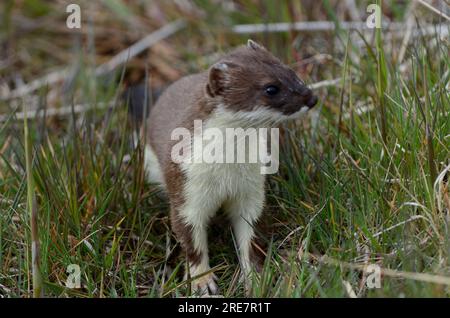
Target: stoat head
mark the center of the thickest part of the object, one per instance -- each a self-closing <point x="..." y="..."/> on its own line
<point x="251" y="80"/>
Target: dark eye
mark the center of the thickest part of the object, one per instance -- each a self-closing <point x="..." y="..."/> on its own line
<point x="272" y="90"/>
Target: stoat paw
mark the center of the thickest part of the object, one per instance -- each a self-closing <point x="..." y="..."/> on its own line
<point x="205" y="285"/>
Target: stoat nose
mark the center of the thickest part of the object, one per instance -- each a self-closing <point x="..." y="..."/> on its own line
<point x="312" y="101"/>
<point x="309" y="99"/>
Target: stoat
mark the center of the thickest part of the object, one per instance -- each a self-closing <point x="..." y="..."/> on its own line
<point x="248" y="87"/>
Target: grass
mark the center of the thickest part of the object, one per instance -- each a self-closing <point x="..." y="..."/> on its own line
<point x="354" y="188"/>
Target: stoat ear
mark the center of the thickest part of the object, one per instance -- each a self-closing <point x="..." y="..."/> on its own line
<point x="255" y="46"/>
<point x="219" y="77"/>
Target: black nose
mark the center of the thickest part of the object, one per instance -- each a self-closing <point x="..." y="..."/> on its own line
<point x="312" y="101"/>
<point x="309" y="99"/>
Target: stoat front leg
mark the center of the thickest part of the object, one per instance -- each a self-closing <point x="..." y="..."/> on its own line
<point x="244" y="211"/>
<point x="191" y="226"/>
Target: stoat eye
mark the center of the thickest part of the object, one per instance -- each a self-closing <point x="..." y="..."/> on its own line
<point x="272" y="90"/>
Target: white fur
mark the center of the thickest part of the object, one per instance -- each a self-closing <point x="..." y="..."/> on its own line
<point x="238" y="187"/>
<point x="260" y="116"/>
<point x="152" y="168"/>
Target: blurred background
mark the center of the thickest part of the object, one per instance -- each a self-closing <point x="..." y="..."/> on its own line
<point x="35" y="40"/>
